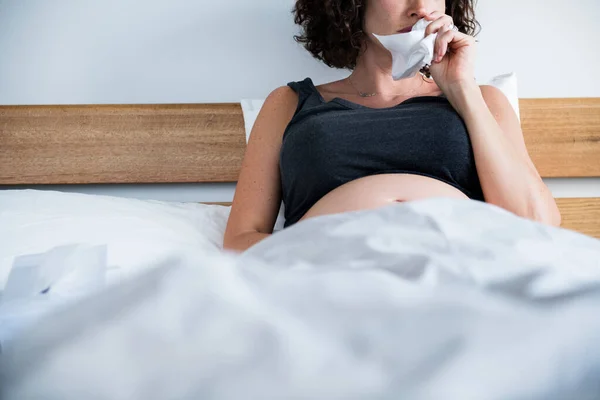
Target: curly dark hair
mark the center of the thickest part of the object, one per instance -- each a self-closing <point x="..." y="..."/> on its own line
<point x="332" y="29"/>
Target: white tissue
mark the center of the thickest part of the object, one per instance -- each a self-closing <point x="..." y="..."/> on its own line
<point x="410" y="51"/>
<point x="64" y="270"/>
<point x="39" y="284"/>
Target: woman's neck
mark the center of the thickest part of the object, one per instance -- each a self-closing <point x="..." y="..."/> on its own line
<point x="373" y="74"/>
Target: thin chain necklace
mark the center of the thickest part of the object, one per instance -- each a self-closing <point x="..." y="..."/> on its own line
<point x="361" y="94"/>
<point x="364" y="94"/>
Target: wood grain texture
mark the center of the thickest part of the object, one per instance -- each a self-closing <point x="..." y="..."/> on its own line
<point x="219" y="203"/>
<point x="84" y="144"/>
<point x="563" y="136"/>
<point x="581" y="215"/>
<point x="205" y="142"/>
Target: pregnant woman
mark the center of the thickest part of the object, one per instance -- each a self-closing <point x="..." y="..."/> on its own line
<point x="367" y="141"/>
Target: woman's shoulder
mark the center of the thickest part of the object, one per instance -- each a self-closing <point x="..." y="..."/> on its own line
<point x="496" y="100"/>
<point x="281" y="98"/>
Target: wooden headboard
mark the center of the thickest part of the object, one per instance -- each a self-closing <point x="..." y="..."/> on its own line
<point x="84" y="144"/>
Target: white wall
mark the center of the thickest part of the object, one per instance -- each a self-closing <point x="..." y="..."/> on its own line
<point x="178" y="51"/>
<point x="551" y="44"/>
<point x="147" y="51"/>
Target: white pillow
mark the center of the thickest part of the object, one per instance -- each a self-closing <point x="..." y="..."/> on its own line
<point x="137" y="233"/>
<point x="250" y="110"/>
<point x="507" y="83"/>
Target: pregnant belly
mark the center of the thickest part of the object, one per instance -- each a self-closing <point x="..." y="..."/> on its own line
<point x="380" y="190"/>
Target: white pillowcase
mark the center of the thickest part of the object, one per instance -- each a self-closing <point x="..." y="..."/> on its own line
<point x="137" y="233"/>
<point x="507" y="83"/>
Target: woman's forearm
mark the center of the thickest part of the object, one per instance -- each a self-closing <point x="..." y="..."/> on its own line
<point x="507" y="178"/>
<point x="244" y="241"/>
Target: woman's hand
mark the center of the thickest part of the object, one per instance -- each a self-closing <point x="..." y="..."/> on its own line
<point x="453" y="53"/>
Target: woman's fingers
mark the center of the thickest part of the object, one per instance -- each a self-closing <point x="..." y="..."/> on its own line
<point x="443" y="41"/>
<point x="439" y="23"/>
<point x="444" y="37"/>
<point x="447" y="39"/>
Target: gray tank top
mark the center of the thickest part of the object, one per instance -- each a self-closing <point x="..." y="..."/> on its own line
<point x="327" y="144"/>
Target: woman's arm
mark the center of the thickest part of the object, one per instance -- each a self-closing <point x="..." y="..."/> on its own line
<point x="507" y="175"/>
<point x="258" y="191"/>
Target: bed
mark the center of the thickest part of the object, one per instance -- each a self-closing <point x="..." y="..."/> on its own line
<point x="432" y="299"/>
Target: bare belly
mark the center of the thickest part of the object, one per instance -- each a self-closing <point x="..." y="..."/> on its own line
<point x="380" y="190"/>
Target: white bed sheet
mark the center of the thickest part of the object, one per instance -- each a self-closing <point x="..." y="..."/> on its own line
<point x="432" y="299"/>
<point x="136" y="232"/>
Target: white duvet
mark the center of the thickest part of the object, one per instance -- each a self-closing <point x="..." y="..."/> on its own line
<point x="434" y="299"/>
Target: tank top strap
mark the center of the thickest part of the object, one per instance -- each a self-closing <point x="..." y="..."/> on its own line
<point x="307" y="94"/>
